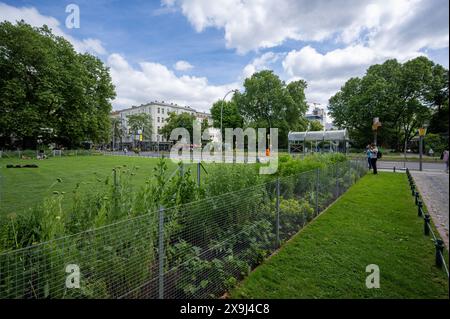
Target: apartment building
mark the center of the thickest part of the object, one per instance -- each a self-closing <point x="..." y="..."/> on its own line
<point x="159" y="112"/>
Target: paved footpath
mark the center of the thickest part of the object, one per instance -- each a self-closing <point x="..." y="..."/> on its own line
<point x="433" y="187"/>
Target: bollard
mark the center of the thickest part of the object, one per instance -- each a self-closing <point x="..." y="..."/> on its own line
<point x="416" y="195"/>
<point x="419" y="208"/>
<point x="413" y="190"/>
<point x="439" y="252"/>
<point x="426" y="230"/>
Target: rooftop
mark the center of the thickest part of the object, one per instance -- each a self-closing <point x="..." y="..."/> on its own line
<point x="162" y="103"/>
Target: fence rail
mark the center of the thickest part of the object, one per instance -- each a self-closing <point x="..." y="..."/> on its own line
<point x="427" y="227"/>
<point x="36" y="154"/>
<point x="196" y="250"/>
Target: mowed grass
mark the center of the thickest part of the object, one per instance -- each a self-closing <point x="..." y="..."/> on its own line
<point x="23" y="188"/>
<point x="375" y="222"/>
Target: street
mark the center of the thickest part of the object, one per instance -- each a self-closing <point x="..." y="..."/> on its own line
<point x="439" y="166"/>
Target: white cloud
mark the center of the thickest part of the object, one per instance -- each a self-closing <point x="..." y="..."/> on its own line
<point x="260" y="63"/>
<point x="401" y="30"/>
<point x="182" y="66"/>
<point x="32" y="16"/>
<point x="154" y="81"/>
<point x="326" y="73"/>
<point x="310" y="64"/>
<point x="250" y="25"/>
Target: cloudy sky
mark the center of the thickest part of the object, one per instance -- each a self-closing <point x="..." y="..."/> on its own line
<point x="192" y="52"/>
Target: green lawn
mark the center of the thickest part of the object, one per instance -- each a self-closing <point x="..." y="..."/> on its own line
<point x="22" y="188"/>
<point x="375" y="222"/>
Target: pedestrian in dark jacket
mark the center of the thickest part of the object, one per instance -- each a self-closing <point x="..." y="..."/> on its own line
<point x="374" y="157"/>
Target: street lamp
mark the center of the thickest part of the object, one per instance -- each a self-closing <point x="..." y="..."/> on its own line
<point x="221" y="110"/>
<point x="422" y="132"/>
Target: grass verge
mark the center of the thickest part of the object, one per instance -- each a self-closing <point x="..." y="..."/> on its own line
<point x="375" y="222"/>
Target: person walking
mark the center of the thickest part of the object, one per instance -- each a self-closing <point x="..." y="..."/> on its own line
<point x="445" y="157"/>
<point x="374" y="157"/>
<point x="368" y="156"/>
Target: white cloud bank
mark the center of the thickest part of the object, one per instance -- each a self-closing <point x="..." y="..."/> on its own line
<point x="154" y="81"/>
<point x="367" y="32"/>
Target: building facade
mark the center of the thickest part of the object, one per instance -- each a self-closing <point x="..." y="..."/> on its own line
<point x="159" y="112"/>
<point x="317" y="114"/>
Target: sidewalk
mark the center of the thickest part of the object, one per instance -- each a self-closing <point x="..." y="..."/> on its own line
<point x="434" y="189"/>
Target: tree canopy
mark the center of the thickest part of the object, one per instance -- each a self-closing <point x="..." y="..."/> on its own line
<point x="269" y="102"/>
<point x="230" y="115"/>
<point x="403" y="96"/>
<point x="50" y="92"/>
<point x="141" y="122"/>
<point x="315" y="126"/>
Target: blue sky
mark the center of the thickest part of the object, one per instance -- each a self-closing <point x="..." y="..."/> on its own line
<point x="323" y="42"/>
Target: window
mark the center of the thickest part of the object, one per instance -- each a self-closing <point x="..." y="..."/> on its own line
<point x="162" y="110"/>
<point x="158" y="118"/>
<point x="158" y="110"/>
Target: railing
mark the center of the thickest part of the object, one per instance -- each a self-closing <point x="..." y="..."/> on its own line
<point x="196" y="250"/>
<point x="427" y="227"/>
<point x="35" y="154"/>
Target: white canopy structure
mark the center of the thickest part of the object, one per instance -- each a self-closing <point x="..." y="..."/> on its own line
<point x="318" y="141"/>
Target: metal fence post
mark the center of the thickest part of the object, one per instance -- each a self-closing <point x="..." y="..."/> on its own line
<point x="426" y="222"/>
<point x="278" y="213"/>
<point x="161" y="253"/>
<point x="416" y="198"/>
<point x="439" y="252"/>
<point x="337" y="181"/>
<point x="198" y="173"/>
<point x="317" y="190"/>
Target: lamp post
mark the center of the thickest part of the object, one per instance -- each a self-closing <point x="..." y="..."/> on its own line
<point x="422" y="132"/>
<point x="221" y="111"/>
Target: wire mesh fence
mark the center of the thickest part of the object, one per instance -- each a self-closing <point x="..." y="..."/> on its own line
<point x="41" y="154"/>
<point x="195" y="250"/>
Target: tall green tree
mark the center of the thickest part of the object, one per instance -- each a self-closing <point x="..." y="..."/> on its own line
<point x="230" y="115"/>
<point x="183" y="120"/>
<point x="141" y="122"/>
<point x="399" y="94"/>
<point x="269" y="102"/>
<point x="45" y="86"/>
<point x="315" y="126"/>
<point x="118" y="130"/>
